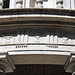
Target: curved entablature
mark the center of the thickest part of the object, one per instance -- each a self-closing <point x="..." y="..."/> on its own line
<point x="47" y="34"/>
<point x="26" y="28"/>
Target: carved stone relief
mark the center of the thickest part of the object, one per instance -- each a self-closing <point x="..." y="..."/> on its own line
<point x="33" y="37"/>
<point x="7" y="40"/>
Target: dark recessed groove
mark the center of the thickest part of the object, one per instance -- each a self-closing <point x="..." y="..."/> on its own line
<point x="37" y="11"/>
<point x="41" y="69"/>
<point x="32" y="22"/>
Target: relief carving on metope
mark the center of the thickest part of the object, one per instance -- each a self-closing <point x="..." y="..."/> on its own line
<point x="8" y="40"/>
<point x="37" y="38"/>
<point x="34" y="39"/>
<point x="21" y="38"/>
<point x="71" y="41"/>
<point x="65" y="40"/>
<point x="14" y="39"/>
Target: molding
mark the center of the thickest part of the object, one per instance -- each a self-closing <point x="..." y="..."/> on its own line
<point x="29" y="21"/>
<point x="47" y="11"/>
<point x="6" y="63"/>
<point x="70" y="64"/>
<point x="38" y="57"/>
<point x="35" y="17"/>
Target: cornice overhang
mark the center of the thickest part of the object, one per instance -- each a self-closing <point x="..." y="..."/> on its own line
<point x="37" y="17"/>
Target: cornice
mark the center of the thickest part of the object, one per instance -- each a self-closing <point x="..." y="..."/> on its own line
<point x="37" y="17"/>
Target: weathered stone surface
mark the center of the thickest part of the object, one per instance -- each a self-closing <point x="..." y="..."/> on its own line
<point x="37" y="35"/>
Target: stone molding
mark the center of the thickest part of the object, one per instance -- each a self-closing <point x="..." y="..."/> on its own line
<point x="38" y="57"/>
<point x="6" y="63"/>
<point x="47" y="39"/>
<point x="70" y="64"/>
<point x="45" y="11"/>
<point x="36" y="17"/>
